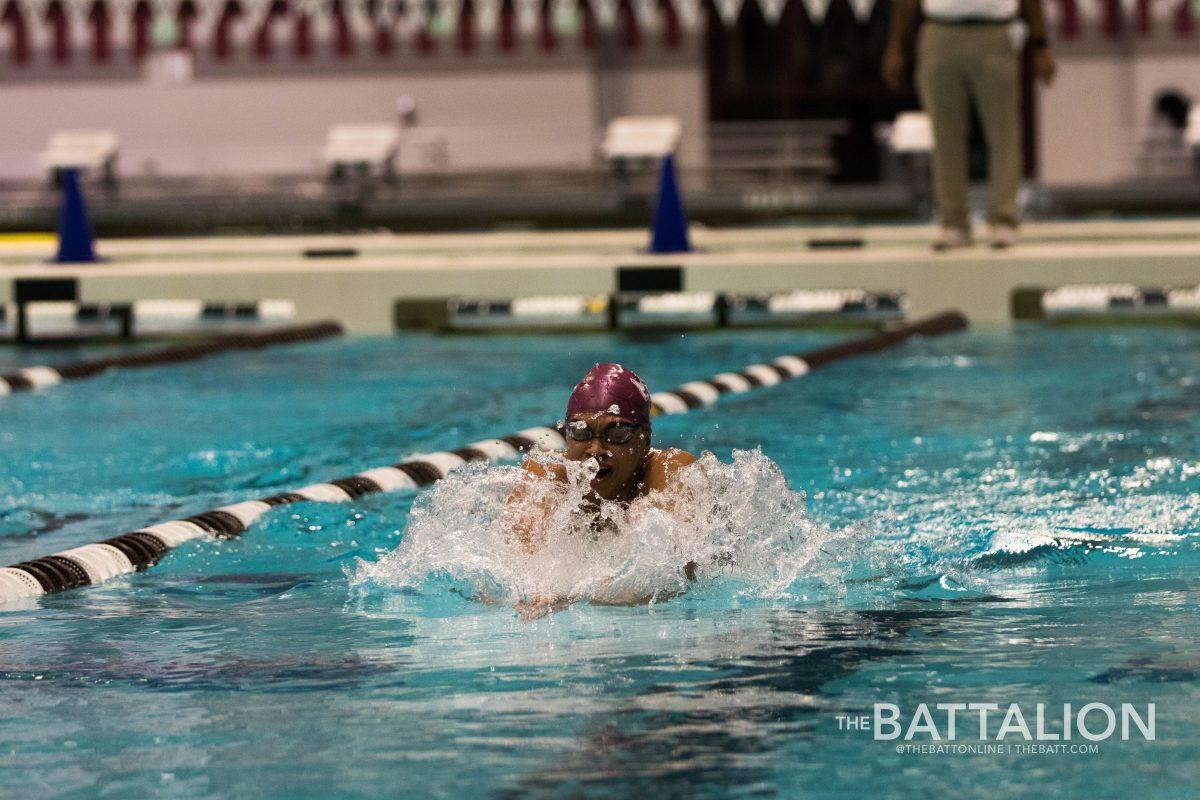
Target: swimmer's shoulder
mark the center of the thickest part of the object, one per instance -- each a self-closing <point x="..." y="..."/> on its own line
<point x="663" y="464"/>
<point x="671" y="458"/>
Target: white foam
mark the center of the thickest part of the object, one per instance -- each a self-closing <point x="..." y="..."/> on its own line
<point x="738" y="521"/>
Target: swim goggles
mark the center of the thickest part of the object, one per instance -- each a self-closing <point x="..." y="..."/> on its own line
<point x="616" y="433"/>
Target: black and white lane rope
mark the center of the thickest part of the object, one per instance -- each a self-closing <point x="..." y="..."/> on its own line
<point x="697" y="394"/>
<point x="33" y="378"/>
<point x="138" y="550"/>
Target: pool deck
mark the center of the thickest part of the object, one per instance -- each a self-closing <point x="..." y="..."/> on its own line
<point x="360" y="290"/>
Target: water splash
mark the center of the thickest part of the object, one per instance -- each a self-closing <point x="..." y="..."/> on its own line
<point x="740" y="523"/>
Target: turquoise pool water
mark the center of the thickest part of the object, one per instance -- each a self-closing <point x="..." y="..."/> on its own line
<point x="1007" y="518"/>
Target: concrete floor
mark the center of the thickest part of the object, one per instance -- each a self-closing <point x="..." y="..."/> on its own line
<point x="360" y="290"/>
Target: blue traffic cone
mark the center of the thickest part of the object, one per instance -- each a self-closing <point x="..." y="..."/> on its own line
<point x="74" y="230"/>
<point x="670" y="234"/>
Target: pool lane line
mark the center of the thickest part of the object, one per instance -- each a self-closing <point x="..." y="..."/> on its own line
<point x="141" y="549"/>
<point x="697" y="394"/>
<point x="33" y="378"/>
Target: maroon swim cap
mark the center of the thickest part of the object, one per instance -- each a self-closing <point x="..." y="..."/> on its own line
<point x="611" y="389"/>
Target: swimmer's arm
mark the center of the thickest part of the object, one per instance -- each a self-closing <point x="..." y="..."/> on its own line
<point x="661" y="481"/>
<point x="530" y="610"/>
<point x="543" y="469"/>
<point x="529" y="515"/>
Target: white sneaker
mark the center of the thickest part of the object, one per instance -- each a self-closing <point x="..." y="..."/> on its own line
<point x="1001" y="237"/>
<point x="952" y="239"/>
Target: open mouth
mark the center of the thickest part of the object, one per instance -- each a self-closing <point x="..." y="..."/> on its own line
<point x="602" y="474"/>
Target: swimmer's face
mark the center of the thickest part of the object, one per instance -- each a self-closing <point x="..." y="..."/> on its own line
<point x="618" y="462"/>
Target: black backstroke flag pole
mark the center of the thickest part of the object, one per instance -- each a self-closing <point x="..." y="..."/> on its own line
<point x="136" y="551"/>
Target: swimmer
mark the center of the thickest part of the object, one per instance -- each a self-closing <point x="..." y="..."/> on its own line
<point x="607" y="422"/>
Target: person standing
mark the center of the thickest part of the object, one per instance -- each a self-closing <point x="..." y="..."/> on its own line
<point x="969" y="51"/>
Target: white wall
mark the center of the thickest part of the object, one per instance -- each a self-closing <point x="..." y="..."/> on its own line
<point x="1093" y="117"/>
<point x="278" y="124"/>
<point x="1085" y="132"/>
<point x="524" y="113"/>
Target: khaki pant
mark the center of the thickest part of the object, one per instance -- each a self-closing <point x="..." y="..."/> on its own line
<point x="955" y="65"/>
